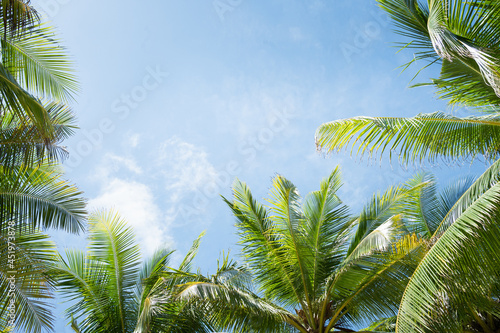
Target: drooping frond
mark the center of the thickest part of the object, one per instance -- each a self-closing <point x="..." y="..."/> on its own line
<point x="458" y="272"/>
<point x="23" y="144"/>
<point x="39" y="64"/>
<point x="26" y="107"/>
<point x="25" y="262"/>
<point x="483" y="183"/>
<point x="41" y="198"/>
<point x="228" y="301"/>
<point x="462" y="36"/>
<point x="423" y="137"/>
<point x="18" y="16"/>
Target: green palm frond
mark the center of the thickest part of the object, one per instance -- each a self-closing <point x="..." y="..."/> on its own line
<point x="462" y="36"/>
<point x="459" y="269"/>
<point x="289" y="221"/>
<point x="26" y="107"/>
<point x="381" y="208"/>
<point x="227" y="297"/>
<point x="17" y="16"/>
<point x="378" y="239"/>
<point x="187" y="262"/>
<point x="262" y="243"/>
<point x="382" y="325"/>
<point x="24" y="144"/>
<point x="82" y="281"/>
<point x="26" y="260"/>
<point x="370" y="287"/>
<point x="39" y="64"/>
<point x="161" y="308"/>
<point x="336" y="270"/>
<point x="426" y="136"/>
<point x="324" y="237"/>
<point x="483" y="183"/>
<point x="41" y="198"/>
<point x="110" y="292"/>
<point x="112" y="243"/>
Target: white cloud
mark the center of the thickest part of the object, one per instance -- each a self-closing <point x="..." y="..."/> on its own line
<point x="112" y="163"/>
<point x="191" y="183"/>
<point x="128" y="163"/>
<point x="133" y="140"/>
<point x="188" y="182"/>
<point x="186" y="168"/>
<point x="136" y="204"/>
<point x="133" y="200"/>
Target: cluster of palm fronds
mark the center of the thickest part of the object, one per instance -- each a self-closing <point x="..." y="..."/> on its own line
<point x="35" y="83"/>
<point x="454" y="288"/>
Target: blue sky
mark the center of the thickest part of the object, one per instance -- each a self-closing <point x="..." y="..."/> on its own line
<point x="180" y="97"/>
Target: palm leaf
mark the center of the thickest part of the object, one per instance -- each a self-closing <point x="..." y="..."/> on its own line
<point x="17" y="16"/>
<point x="40" y="198"/>
<point x="462" y="36"/>
<point x="113" y="244"/>
<point x="39" y="64"/>
<point x="458" y="270"/>
<point x="24" y="144"/>
<point x="426" y="136"/>
<point x="26" y="277"/>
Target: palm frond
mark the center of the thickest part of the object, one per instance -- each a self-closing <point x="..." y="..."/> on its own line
<point x="112" y="242"/>
<point x="26" y="260"/>
<point x="263" y="244"/>
<point x="39" y="64"/>
<point x="462" y="36"/>
<point x="423" y="137"/>
<point x="370" y="287"/>
<point x="18" y="16"/>
<point x="458" y="270"/>
<point x="326" y="224"/>
<point x="23" y="144"/>
<point x="40" y="198"/>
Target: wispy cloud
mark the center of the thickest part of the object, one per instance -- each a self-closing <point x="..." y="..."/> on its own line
<point x="134" y="201"/>
<point x="133" y="140"/>
<point x="185" y="168"/>
<point x="153" y="196"/>
<point x="136" y="204"/>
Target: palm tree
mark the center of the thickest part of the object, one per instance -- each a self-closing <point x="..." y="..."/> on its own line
<point x="318" y="268"/>
<point x="454" y="288"/>
<point x="33" y="67"/>
<point x="463" y="37"/>
<point x="112" y="292"/>
<point x="32" y="200"/>
<point x="33" y="195"/>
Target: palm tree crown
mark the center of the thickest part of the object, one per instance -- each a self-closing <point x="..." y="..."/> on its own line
<point x="318" y="268"/>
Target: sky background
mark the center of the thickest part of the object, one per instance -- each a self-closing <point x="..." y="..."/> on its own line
<point x="178" y="98"/>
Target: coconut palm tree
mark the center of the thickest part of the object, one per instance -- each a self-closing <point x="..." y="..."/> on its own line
<point x="33" y="195"/>
<point x="463" y="37"/>
<point x="111" y="291"/>
<point x="32" y="200"/>
<point x="318" y="268"/>
<point x="454" y="288"/>
<point x="33" y="67"/>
